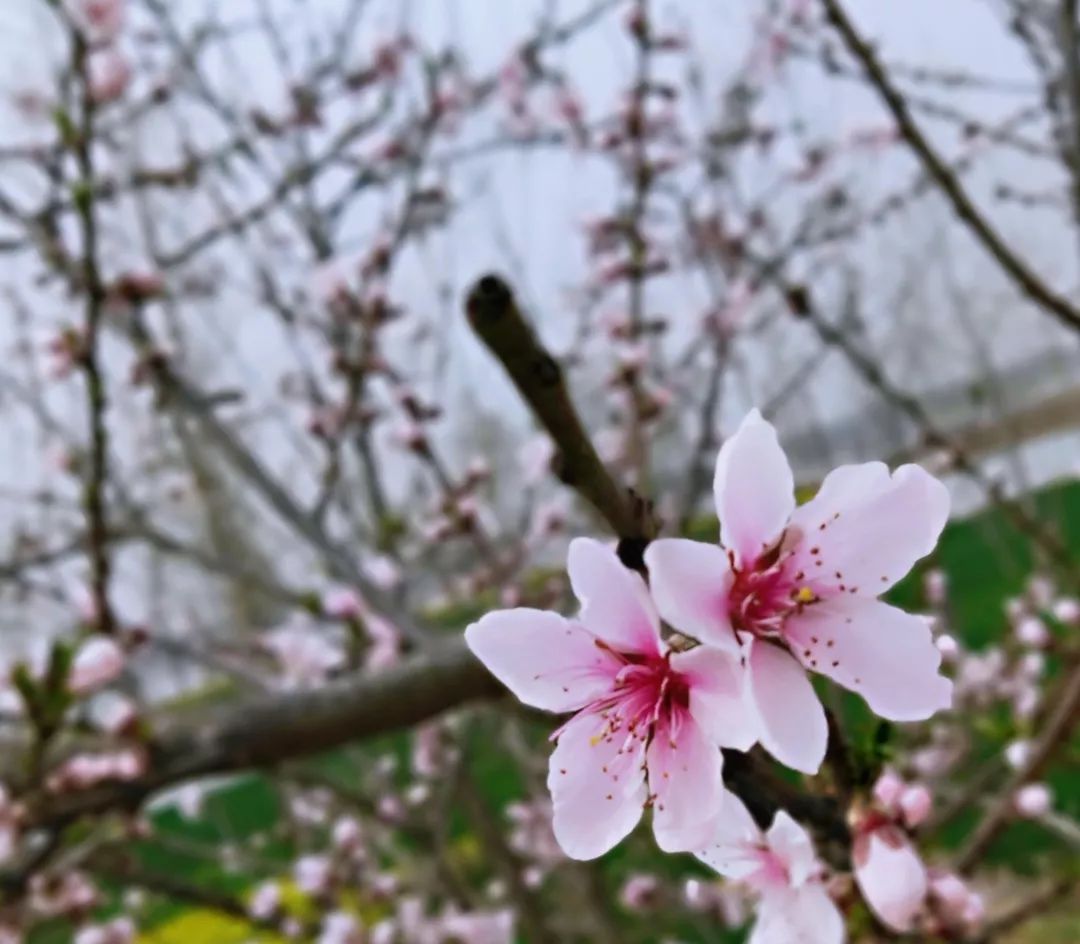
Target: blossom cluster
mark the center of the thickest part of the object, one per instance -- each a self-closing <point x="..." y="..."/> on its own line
<point x="712" y="652"/>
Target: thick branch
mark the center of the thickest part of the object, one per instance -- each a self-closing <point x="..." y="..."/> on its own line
<point x="1025" y="279"/>
<point x="498" y="321"/>
<point x="271" y="729"/>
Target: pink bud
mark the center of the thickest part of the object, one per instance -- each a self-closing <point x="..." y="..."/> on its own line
<point x="915" y="802"/>
<point x="99" y="20"/>
<point x="346" y="833"/>
<point x="265" y="901"/>
<point x="1032" y="631"/>
<point x="107" y="74"/>
<point x="639" y="892"/>
<point x="1067" y="611"/>
<point x="343" y="603"/>
<point x="98" y="661"/>
<point x="313" y="874"/>
<point x="951" y="896"/>
<point x="1018" y="753"/>
<point x="948" y="647"/>
<point x="888" y="790"/>
<point x="936" y="586"/>
<point x="1033" y="800"/>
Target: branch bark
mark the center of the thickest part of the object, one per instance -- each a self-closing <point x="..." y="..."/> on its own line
<point x="499" y="323"/>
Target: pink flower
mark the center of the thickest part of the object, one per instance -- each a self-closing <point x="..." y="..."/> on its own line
<point x="795" y="588"/>
<point x="890" y="875"/>
<point x="649" y="721"/>
<point x="780" y="867"/>
<point x="98" y="661"/>
<point x="1067" y="611"/>
<point x="99" y="20"/>
<point x="265" y="901"/>
<point x="313" y="874"/>
<point x="955" y="905"/>
<point x="305" y="656"/>
<point x="1032" y="631"/>
<point x="639" y="892"/>
<point x="1018" y="753"/>
<point x="343" y="603"/>
<point x="477" y="927"/>
<point x="382" y="571"/>
<point x="114" y="713"/>
<point x="108" y="73"/>
<point x="339" y="927"/>
<point x="915" y="804"/>
<point x="1033" y="800"/>
<point x="118" y="931"/>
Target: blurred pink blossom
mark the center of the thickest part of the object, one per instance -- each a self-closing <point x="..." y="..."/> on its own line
<point x="118" y="931"/>
<point x="97" y="662"/>
<point x="1033" y="800"/>
<point x="890" y="875"/>
<point x="108" y="73"/>
<point x="782" y="870"/>
<point x="339" y="927"/>
<point x="99" y="20"/>
<point x="305" y="656"/>
<point x="313" y="874"/>
<point x="265" y="901"/>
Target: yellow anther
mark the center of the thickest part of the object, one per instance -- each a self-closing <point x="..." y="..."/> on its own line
<point x="805" y="595"/>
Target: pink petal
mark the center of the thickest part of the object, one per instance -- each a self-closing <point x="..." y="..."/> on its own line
<point x="546" y="660"/>
<point x="615" y="603"/>
<point x="686" y="777"/>
<point x="690" y="581"/>
<point x="892" y="879"/>
<point x="597" y="785"/>
<point x="793" y="726"/>
<point x="862" y="541"/>
<point x="754" y="489"/>
<point x="886" y="655"/>
<point x="804" y="915"/>
<point x="792" y="845"/>
<point x="734" y="850"/>
<point x="719" y="700"/>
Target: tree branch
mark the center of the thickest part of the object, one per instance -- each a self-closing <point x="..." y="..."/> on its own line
<point x="499" y="323"/>
<point x="1029" y="283"/>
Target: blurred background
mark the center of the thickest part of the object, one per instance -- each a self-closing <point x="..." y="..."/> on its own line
<point x="250" y="440"/>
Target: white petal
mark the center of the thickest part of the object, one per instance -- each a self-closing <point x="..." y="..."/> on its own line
<point x="690" y="581"/>
<point x="804" y="915"/>
<point x="686" y="778"/>
<point x="862" y="541"/>
<point x="886" y="655"/>
<point x="597" y="785"/>
<point x="754" y="489"/>
<point x="893" y="882"/>
<point x="615" y="603"/>
<point x="719" y="695"/>
<point x="545" y="660"/>
<point x="793" y="846"/>
<point x="733" y="850"/>
<point x="793" y="727"/>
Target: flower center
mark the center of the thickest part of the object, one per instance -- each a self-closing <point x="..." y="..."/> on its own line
<point x="765" y="593"/>
<point x="646" y="691"/>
